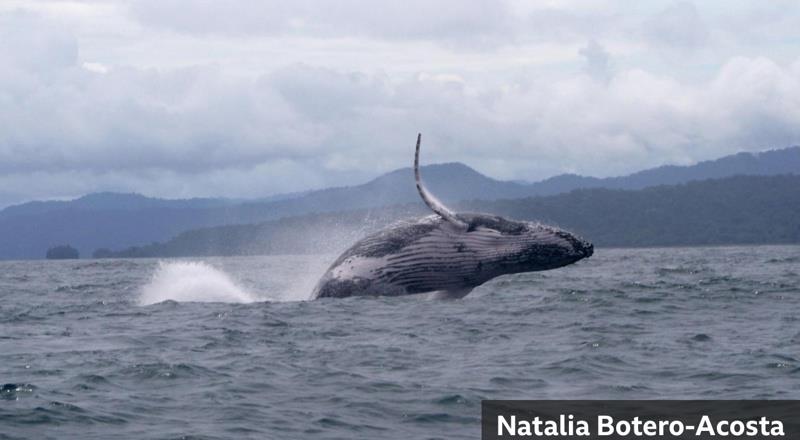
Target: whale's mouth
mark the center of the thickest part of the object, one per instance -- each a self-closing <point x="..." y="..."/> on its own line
<point x="576" y="246"/>
<point x="588" y="250"/>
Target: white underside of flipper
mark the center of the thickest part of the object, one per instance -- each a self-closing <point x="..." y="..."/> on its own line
<point x="435" y="204"/>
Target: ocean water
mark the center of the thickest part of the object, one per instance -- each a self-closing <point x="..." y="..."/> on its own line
<point x="229" y="348"/>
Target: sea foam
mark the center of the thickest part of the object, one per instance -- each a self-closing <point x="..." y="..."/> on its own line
<point x="192" y="281"/>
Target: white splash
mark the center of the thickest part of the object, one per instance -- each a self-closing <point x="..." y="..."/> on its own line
<point x="192" y="281"/>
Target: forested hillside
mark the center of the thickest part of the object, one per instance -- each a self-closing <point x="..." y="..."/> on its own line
<point x="734" y="210"/>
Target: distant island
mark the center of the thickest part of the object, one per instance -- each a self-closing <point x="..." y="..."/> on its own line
<point x="62" y="252"/>
<point x="113" y="224"/>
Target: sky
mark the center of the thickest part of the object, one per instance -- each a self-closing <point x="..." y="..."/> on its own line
<point x="241" y="98"/>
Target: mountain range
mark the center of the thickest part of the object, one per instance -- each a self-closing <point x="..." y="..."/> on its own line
<point x="117" y="221"/>
<point x="727" y="211"/>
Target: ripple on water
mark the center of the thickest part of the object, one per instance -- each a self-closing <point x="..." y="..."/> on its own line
<point x="161" y="370"/>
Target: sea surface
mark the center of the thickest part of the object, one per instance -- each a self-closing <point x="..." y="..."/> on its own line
<point x="224" y="348"/>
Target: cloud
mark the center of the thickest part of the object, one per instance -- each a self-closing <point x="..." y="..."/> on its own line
<point x="679" y="26"/>
<point x="65" y="116"/>
<point x="598" y="60"/>
<point x="567" y="22"/>
<point x="196" y="121"/>
<point x="390" y="19"/>
<point x="30" y="43"/>
<point x="75" y="119"/>
<point x="325" y="94"/>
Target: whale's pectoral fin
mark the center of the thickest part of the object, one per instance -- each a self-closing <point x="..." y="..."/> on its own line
<point x="450" y="293"/>
<point x="431" y="200"/>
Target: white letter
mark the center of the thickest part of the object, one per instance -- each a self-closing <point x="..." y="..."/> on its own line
<point x="623" y="428"/>
<point x="752" y="428"/>
<point x="511" y="429"/>
<point x="537" y="424"/>
<point x="719" y="428"/>
<point x="636" y="425"/>
<point x="676" y="428"/>
<point x="550" y="428"/>
<point x="705" y="426"/>
<point x="604" y="425"/>
<point x="583" y="428"/>
<point x="777" y="428"/>
<point x="524" y="427"/>
<point x="649" y="428"/>
<point x="763" y="424"/>
<point x="662" y="425"/>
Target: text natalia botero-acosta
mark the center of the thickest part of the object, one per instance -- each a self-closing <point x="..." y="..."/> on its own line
<point x="643" y="419"/>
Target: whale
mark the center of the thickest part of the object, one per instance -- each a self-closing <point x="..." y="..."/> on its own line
<point x="446" y="253"/>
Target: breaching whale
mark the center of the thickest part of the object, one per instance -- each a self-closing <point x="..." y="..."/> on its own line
<point x="448" y="253"/>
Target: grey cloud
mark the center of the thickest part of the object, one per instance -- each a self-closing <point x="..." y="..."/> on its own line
<point x="68" y="118"/>
<point x="66" y="130"/>
<point x="475" y="24"/>
<point x="390" y="19"/>
<point x="32" y="44"/>
<point x="577" y="24"/>
<point x="677" y="26"/>
<point x="323" y="94"/>
<point x="598" y="60"/>
<point x="196" y="131"/>
<point x="761" y="23"/>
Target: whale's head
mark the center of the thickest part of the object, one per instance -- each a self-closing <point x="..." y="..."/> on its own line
<point x="511" y="246"/>
<point x="506" y="246"/>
